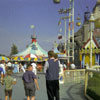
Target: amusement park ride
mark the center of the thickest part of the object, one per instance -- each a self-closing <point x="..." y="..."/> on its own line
<point x="70" y="40"/>
<point x="70" y="11"/>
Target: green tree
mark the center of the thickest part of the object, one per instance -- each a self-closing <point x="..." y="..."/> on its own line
<point x="14" y="50"/>
<point x="2" y="55"/>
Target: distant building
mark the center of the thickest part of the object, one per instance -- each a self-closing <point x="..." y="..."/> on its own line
<point x="83" y="35"/>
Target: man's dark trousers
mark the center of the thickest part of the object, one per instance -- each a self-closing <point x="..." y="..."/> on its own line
<point x="52" y="89"/>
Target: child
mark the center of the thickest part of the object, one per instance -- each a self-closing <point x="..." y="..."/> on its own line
<point x="9" y="81"/>
<point x="29" y="80"/>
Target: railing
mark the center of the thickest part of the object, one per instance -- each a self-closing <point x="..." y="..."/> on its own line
<point x="75" y="76"/>
<point x="92" y="84"/>
<point x="91" y="78"/>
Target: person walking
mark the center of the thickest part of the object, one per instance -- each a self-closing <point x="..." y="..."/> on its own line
<point x="30" y="80"/>
<point x="16" y="67"/>
<point x="51" y="70"/>
<point x="3" y="66"/>
<point x="34" y="68"/>
<point x="1" y="74"/>
<point x="9" y="81"/>
<point x="61" y="73"/>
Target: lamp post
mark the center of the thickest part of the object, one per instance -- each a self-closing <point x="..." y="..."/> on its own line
<point x="91" y="22"/>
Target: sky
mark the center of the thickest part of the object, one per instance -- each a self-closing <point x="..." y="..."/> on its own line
<point x="16" y="16"/>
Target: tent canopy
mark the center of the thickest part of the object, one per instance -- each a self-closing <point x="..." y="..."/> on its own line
<point x="33" y="49"/>
<point x="30" y="56"/>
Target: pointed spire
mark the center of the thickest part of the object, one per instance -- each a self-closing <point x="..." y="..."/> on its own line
<point x="33" y="37"/>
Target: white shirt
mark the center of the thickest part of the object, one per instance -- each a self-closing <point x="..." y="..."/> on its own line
<point x="64" y="66"/>
<point x="9" y="64"/>
<point x="34" y="68"/>
<point x="46" y="66"/>
<point x="3" y="67"/>
<point x="25" y="65"/>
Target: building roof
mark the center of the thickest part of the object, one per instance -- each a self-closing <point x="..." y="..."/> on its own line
<point x="89" y="41"/>
<point x="33" y="48"/>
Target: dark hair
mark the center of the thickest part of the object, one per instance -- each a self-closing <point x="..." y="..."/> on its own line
<point x="56" y="56"/>
<point x="51" y="53"/>
<point x="29" y="65"/>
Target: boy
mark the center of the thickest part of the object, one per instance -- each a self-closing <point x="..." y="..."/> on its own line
<point x="29" y="80"/>
<point x="9" y="81"/>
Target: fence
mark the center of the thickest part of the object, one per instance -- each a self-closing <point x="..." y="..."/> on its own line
<point x="75" y="76"/>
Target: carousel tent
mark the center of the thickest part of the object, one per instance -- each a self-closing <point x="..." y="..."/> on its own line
<point x="33" y="49"/>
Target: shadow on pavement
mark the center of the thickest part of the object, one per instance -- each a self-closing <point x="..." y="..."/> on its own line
<point x="80" y="92"/>
<point x="69" y="94"/>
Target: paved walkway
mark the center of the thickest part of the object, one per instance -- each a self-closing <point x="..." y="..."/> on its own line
<point x="68" y="91"/>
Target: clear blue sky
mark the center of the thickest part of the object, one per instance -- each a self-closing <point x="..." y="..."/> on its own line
<point x="16" y="16"/>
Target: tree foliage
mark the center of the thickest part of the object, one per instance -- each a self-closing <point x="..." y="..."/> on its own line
<point x="14" y="50"/>
<point x="2" y="55"/>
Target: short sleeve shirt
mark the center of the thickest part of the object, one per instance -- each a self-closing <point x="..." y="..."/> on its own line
<point x="8" y="80"/>
<point x="28" y="77"/>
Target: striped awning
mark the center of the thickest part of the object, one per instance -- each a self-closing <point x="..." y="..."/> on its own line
<point x="4" y="58"/>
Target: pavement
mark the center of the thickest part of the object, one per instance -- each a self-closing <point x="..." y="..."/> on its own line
<point x="68" y="91"/>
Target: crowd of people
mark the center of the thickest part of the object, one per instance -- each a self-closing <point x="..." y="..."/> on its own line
<point x="52" y="68"/>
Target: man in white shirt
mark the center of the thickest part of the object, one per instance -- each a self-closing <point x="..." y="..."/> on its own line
<point x="34" y="68"/>
<point x="2" y="65"/>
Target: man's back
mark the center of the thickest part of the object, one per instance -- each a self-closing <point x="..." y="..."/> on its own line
<point x="52" y="72"/>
